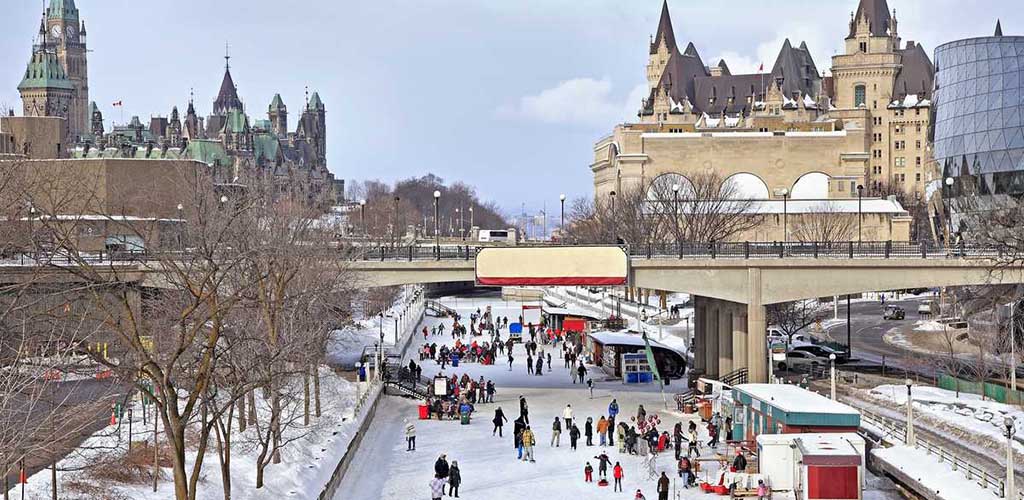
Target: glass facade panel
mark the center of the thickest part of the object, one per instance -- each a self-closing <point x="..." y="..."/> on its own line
<point x="978" y="126"/>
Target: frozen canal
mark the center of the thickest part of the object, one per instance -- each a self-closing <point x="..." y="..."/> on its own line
<point x="383" y="469"/>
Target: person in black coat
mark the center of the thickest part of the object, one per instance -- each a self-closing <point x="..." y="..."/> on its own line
<point x="441" y="468"/>
<point x="740" y="462"/>
<point x="454" y="480"/>
<point x="574" y="435"/>
<point x="524" y="410"/>
<point x="588" y="430"/>
<point x="499" y="420"/>
<point x="519" y="425"/>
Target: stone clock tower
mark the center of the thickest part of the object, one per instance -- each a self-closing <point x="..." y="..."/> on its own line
<point x="65" y="38"/>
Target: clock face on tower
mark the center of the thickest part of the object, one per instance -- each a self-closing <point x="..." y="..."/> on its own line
<point x="71" y="32"/>
<point x="56" y="32"/>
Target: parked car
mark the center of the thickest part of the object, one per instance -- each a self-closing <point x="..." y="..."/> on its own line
<point x="926" y="308"/>
<point x="824" y="351"/>
<point x="894" y="312"/>
<point x="801" y="359"/>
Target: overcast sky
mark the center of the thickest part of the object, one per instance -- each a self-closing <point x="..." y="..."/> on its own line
<point x="507" y="95"/>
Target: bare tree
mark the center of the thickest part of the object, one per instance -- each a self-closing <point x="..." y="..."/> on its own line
<point x="825" y="223"/>
<point x="791" y="317"/>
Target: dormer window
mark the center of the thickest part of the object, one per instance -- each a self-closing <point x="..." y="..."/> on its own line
<point x="864" y="47"/>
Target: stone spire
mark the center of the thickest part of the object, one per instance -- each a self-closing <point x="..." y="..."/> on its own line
<point x="62" y="9"/>
<point x="999" y="28"/>
<point x="876" y="13"/>
<point x="665" y="31"/>
<point x="227" y="97"/>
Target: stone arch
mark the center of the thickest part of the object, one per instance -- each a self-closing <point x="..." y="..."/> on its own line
<point x="660" y="187"/>
<point x="747" y="185"/>
<point x="810" y="186"/>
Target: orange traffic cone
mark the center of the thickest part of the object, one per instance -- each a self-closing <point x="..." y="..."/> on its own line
<point x="113" y="417"/>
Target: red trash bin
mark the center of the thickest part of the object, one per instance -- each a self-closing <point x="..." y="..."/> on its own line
<point x="424" y="412"/>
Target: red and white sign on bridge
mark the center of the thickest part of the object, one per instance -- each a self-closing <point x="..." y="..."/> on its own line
<point x="563" y="266"/>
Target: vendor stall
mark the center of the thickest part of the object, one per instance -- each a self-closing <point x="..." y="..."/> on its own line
<point x="787" y="409"/>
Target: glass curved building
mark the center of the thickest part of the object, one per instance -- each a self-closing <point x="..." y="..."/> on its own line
<point x="978" y="127"/>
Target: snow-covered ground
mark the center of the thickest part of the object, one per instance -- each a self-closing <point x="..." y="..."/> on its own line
<point x="968" y="412"/>
<point x="306" y="463"/>
<point x="935" y="476"/>
<point x="384" y="470"/>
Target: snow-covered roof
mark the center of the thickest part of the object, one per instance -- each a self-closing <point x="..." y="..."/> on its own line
<point x="794" y="207"/>
<point x="630" y="339"/>
<point x="809" y="101"/>
<point x="910" y="101"/>
<point x="840" y="443"/>
<point x="793" y="399"/>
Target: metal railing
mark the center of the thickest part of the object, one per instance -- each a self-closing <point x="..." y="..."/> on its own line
<point x="682" y="250"/>
<point x="723" y="250"/>
<point x="898" y="432"/>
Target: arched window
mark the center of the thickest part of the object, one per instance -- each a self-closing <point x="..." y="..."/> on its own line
<point x="859" y="96"/>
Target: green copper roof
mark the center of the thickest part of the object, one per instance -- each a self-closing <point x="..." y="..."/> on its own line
<point x="62" y="9"/>
<point x="277" y="103"/>
<point x="265" y="147"/>
<point x="209" y="152"/>
<point x="236" y="122"/>
<point x="44" y="71"/>
<point x="315" y="103"/>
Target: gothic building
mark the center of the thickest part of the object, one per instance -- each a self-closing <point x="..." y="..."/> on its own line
<point x="236" y="147"/>
<point x="56" y="80"/>
<point x="862" y="126"/>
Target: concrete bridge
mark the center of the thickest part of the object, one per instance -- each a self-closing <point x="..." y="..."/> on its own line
<point x="731" y="282"/>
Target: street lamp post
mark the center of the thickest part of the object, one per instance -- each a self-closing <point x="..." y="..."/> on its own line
<point x="394" y="222"/>
<point x="1011" y="483"/>
<point x="785" y="213"/>
<point x="860" y="211"/>
<point x="470" y="220"/>
<point x="832" y="374"/>
<point x="911" y="435"/>
<point x="613" y="215"/>
<point x="437" y="234"/>
<point x="561" y="225"/>
<point x="675" y="215"/>
<point x="362" y="216"/>
<point x="949" y="209"/>
<point x="917" y="218"/>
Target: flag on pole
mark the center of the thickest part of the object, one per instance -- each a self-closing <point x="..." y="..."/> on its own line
<point x="760" y="68"/>
<point x="650" y="358"/>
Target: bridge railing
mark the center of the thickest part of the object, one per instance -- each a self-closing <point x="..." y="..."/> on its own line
<point x="721" y="250"/>
<point x="660" y="250"/>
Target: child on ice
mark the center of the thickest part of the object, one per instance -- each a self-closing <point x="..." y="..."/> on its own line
<point x="588" y="473"/>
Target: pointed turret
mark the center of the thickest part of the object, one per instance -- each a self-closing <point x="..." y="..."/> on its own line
<point x="278" y="115"/>
<point x="315" y="104"/>
<point x="665" y="31"/>
<point x="227" y="97"/>
<point x="62" y="9"/>
<point x="876" y="13"/>
<point x="999" y="28"/>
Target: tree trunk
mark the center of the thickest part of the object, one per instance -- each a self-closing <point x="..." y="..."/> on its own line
<point x="223" y="433"/>
<point x="316" y="390"/>
<point x="305" y="396"/>
<point x="252" y="407"/>
<point x="275" y="424"/>
<point x="241" y="415"/>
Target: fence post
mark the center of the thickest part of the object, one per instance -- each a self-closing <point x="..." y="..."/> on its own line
<point x="815" y="249"/>
<point x="713" y="249"/>
<point x="382" y="254"/>
<point x="410" y="252"/>
<point x="680" y="243"/>
<point x="888" y="248"/>
<point x="650" y="249"/>
<point x="782" y="249"/>
<point x="851" y="249"/>
<point x="924" y="250"/>
<point x="746" y="250"/>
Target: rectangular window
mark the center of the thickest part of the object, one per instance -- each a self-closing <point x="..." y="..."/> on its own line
<point x="918" y="176"/>
<point x="917" y="162"/>
<point x="859" y="96"/>
<point x="901" y="162"/>
<point x="863" y="46"/>
<point x="917" y="144"/>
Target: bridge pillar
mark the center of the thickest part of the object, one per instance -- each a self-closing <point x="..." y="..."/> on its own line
<point x="757" y="350"/>
<point x="724" y="332"/>
<point x="709" y="324"/>
<point x="700" y="362"/>
<point x="739" y="340"/>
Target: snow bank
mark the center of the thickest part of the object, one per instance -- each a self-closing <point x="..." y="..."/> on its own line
<point x="967" y="412"/>
<point x="935" y="476"/>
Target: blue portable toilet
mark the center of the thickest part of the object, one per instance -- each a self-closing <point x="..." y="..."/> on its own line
<point x="455" y="360"/>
